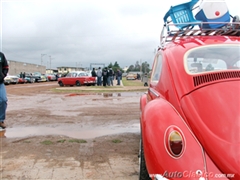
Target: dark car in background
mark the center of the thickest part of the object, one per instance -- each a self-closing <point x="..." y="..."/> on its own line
<point x="39" y="77"/>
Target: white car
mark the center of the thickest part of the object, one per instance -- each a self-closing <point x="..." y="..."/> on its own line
<point x="11" y="79"/>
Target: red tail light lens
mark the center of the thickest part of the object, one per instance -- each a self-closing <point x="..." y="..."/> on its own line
<point x="175" y="142"/>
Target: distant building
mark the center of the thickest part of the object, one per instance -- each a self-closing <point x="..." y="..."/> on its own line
<point x="66" y="69"/>
<point x="16" y="67"/>
<point x="51" y="71"/>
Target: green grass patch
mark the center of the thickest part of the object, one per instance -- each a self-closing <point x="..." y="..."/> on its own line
<point x="77" y="141"/>
<point x="116" y="141"/>
<point x="61" y="141"/>
<point x="131" y="82"/>
<point x="47" y="142"/>
<point x="102" y="89"/>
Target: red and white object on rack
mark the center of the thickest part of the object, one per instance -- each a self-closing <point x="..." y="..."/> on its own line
<point x="212" y="12"/>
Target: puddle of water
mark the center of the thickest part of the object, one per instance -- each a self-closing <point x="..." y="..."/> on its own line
<point x="77" y="94"/>
<point x="75" y="131"/>
<point x="123" y="94"/>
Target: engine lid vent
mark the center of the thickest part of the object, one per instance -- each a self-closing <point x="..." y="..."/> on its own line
<point x="205" y="78"/>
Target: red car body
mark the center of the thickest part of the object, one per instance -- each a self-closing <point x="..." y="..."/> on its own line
<point x="78" y="78"/>
<point x="21" y="81"/>
<point x="51" y="77"/>
<point x="190" y="115"/>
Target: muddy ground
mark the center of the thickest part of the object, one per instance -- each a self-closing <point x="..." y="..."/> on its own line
<point x="63" y="135"/>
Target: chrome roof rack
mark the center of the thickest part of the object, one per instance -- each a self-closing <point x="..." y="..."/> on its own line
<point x="171" y="33"/>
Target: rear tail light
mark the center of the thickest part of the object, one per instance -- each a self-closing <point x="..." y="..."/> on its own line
<point x="174" y="141"/>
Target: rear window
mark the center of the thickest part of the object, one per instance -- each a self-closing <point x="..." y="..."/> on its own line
<point x="212" y="58"/>
<point x="72" y="74"/>
<point x="157" y="69"/>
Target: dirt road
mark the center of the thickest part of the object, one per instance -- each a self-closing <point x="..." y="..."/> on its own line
<point x="53" y="135"/>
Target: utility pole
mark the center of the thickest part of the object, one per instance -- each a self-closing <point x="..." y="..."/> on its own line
<point x="50" y="60"/>
<point x="78" y="65"/>
<point x="41" y="58"/>
<point x="140" y="65"/>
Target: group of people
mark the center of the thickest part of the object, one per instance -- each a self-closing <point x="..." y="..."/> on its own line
<point x="106" y="76"/>
<point x="22" y="75"/>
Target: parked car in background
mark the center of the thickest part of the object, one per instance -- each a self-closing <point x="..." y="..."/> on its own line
<point x="39" y="77"/>
<point x="21" y="80"/>
<point x="190" y="114"/>
<point x="124" y="74"/>
<point x="131" y="76"/>
<point x="51" y="77"/>
<point x="29" y="78"/>
<point x="77" y="78"/>
<point x="11" y="79"/>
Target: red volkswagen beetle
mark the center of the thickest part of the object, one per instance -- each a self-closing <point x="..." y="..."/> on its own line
<point x="190" y="115"/>
<point x="78" y="78"/>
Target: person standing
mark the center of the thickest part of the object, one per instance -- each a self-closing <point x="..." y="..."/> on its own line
<point x="24" y="75"/>
<point x="105" y="76"/>
<point x="3" y="94"/>
<point x="94" y="74"/>
<point x="108" y="79"/>
<point x="99" y="76"/>
<point x="145" y="79"/>
<point x="110" y="76"/>
<point x="119" y="77"/>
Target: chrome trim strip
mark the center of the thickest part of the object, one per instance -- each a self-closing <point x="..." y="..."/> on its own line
<point x="154" y="92"/>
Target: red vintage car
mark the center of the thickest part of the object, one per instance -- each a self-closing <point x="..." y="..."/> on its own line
<point x="77" y="78"/>
<point x="190" y="115"/>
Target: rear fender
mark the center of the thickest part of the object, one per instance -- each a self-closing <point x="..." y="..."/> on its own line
<point x="158" y="119"/>
<point x="143" y="101"/>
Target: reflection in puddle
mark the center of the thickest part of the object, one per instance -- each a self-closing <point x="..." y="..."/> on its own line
<point x="107" y="94"/>
<point x="77" y="94"/>
<point x="2" y="133"/>
<point x="74" y="131"/>
<point x="123" y="94"/>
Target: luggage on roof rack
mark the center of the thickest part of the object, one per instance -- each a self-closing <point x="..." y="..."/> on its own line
<point x="208" y="11"/>
<point x="170" y="34"/>
<point x="212" y="19"/>
<point x="181" y="15"/>
<point x="213" y="11"/>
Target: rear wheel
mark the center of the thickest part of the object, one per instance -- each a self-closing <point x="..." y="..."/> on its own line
<point x="143" y="173"/>
<point x="78" y="83"/>
<point x="61" y="84"/>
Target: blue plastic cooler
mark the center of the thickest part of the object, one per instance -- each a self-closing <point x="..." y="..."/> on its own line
<point x="213" y="12"/>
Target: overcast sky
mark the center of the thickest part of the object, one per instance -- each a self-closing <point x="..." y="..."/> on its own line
<point x="80" y="32"/>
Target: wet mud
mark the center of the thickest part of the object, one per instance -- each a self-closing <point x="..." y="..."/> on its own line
<point x="89" y="135"/>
